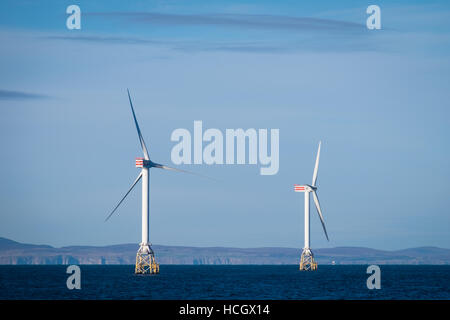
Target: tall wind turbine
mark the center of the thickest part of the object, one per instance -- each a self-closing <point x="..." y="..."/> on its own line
<point x="307" y="261"/>
<point x="145" y="258"/>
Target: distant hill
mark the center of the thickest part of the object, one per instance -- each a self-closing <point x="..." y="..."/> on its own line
<point x="12" y="252"/>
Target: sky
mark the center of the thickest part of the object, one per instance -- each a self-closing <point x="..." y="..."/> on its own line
<point x="377" y="99"/>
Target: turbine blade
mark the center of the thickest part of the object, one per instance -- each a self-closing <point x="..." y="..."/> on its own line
<point x="316" y="167"/>
<point x="164" y="167"/>
<point x="141" y="139"/>
<point x="132" y="186"/>
<point x="316" y="201"/>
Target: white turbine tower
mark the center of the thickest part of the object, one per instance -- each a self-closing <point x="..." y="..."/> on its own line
<point x="145" y="259"/>
<point x="307" y="261"/>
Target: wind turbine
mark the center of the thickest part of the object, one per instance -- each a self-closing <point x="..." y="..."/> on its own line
<point x="145" y="258"/>
<point x="307" y="261"/>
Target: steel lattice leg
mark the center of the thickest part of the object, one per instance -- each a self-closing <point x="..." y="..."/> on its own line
<point x="307" y="262"/>
<point x="146" y="263"/>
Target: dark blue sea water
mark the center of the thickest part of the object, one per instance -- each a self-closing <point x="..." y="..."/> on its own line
<point x="225" y="282"/>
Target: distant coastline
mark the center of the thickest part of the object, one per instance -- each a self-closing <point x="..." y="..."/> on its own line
<point x="15" y="253"/>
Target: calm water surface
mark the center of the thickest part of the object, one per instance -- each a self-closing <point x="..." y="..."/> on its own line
<point x="225" y="282"/>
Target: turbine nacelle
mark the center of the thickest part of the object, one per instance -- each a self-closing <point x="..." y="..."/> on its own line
<point x="304" y="188"/>
<point x="142" y="163"/>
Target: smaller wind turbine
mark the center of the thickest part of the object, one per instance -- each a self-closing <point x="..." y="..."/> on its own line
<point x="307" y="261"/>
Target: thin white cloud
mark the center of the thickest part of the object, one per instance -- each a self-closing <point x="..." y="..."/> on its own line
<point x="19" y="95"/>
<point x="264" y="21"/>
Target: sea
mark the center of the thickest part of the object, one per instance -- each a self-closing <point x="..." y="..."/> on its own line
<point x="225" y="282"/>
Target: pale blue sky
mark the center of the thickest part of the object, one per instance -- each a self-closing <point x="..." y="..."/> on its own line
<point x="379" y="101"/>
